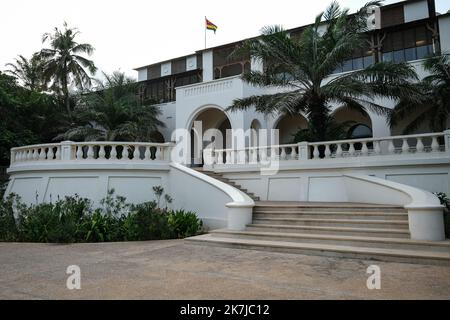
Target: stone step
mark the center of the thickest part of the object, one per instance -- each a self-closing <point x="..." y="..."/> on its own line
<point x="359" y="241"/>
<point x="331" y="250"/>
<point x="341" y="208"/>
<point x="381" y="224"/>
<point x="332" y="215"/>
<point x="345" y="231"/>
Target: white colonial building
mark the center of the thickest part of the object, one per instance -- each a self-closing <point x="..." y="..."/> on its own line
<point x="369" y="195"/>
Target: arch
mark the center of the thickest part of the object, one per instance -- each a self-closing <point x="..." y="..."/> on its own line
<point x="211" y="117"/>
<point x="355" y="119"/>
<point x="359" y="131"/>
<point x="288" y="125"/>
<point x="255" y="126"/>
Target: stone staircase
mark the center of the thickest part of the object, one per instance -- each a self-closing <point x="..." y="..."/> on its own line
<point x="353" y="230"/>
<point x="220" y="177"/>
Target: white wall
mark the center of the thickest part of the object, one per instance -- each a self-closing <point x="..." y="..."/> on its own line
<point x="142" y="74"/>
<point x="208" y="72"/>
<point x="45" y="186"/>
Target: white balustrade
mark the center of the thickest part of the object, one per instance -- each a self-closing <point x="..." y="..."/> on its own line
<point x="92" y="151"/>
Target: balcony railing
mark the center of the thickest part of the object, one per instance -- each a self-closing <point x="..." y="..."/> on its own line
<point x="84" y="151"/>
<point x="394" y="146"/>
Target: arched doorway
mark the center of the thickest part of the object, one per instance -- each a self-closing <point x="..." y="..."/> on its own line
<point x="356" y="124"/>
<point x="255" y="126"/>
<point x="202" y="137"/>
<point x="289" y="125"/>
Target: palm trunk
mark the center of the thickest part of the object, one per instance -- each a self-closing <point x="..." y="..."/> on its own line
<point x="318" y="119"/>
<point x="66" y="96"/>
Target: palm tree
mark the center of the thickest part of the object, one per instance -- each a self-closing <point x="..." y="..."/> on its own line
<point x="434" y="105"/>
<point x="29" y="71"/>
<point x="113" y="113"/>
<point x="63" y="62"/>
<point x="303" y="67"/>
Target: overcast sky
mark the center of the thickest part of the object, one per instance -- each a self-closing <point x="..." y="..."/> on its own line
<point x="134" y="33"/>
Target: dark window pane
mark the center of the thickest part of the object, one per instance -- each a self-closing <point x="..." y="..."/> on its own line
<point x="368" y="61"/>
<point x="358" y="63"/>
<point x="410" y="54"/>
<point x="423" y="51"/>
<point x="388" y="56"/>
<point x="387" y="43"/>
<point x="397" y="40"/>
<point x="347" y="66"/>
<point x="410" y="39"/>
<point x="360" y="131"/>
<point x="399" y="56"/>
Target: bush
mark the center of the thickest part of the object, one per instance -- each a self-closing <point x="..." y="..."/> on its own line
<point x="445" y="201"/>
<point x="48" y="222"/>
<point x="72" y="219"/>
<point x="185" y="224"/>
<point x="8" y="228"/>
<point x="147" y="222"/>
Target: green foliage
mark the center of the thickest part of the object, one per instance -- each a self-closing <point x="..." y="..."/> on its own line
<point x="72" y="219"/>
<point x="445" y="201"/>
<point x="433" y="107"/>
<point x="8" y="228"/>
<point x="304" y="65"/>
<point x="113" y="112"/>
<point x="147" y="222"/>
<point x="184" y="223"/>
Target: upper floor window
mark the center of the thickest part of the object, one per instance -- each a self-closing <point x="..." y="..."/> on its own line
<point x="361" y="59"/>
<point x="407" y="45"/>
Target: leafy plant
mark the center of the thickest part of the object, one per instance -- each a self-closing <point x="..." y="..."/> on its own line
<point x="445" y="201"/>
<point x="185" y="223"/>
<point x="158" y="191"/>
<point x="8" y="227"/>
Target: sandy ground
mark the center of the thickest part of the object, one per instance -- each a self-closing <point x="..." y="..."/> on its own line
<point x="175" y="270"/>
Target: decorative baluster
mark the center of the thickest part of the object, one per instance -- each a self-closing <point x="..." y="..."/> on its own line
<point x="113" y="153"/>
<point x="316" y="152"/>
<point x="364" y="149"/>
<point x="159" y="153"/>
<point x="434" y="145"/>
<point x="283" y="153"/>
<point x="405" y="146"/>
<point x="253" y="155"/>
<point x="376" y="147"/>
<point x="29" y="155"/>
<point x="228" y="156"/>
<point x="351" y="149"/>
<point x="339" y="151"/>
<point x="58" y="153"/>
<point x="50" y="153"/>
<point x="147" y="153"/>
<point x="419" y="146"/>
<point x="136" y="154"/>
<point x="391" y="147"/>
<point x="90" y="152"/>
<point x="327" y="151"/>
<point x="42" y="154"/>
<point x="79" y="153"/>
<point x="293" y="153"/>
<point x="273" y="153"/>
<point x="219" y="154"/>
<point x="263" y="154"/>
<point x="34" y="155"/>
<point x="101" y="152"/>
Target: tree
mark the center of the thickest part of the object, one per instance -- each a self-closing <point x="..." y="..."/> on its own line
<point x="303" y="67"/>
<point x="29" y="71"/>
<point x="433" y="107"/>
<point x="64" y="63"/>
<point x="113" y="112"/>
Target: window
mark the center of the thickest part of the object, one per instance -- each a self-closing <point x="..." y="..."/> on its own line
<point x="408" y="45"/>
<point x="361" y="59"/>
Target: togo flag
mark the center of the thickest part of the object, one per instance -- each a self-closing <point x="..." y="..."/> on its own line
<point x="210" y="25"/>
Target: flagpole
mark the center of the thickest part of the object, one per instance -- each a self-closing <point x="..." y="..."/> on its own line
<point x="205" y="31"/>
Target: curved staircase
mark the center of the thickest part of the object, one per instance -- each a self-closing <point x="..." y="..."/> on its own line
<point x="353" y="230"/>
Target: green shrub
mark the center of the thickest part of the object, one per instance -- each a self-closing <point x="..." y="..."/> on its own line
<point x="8" y="227"/>
<point x="147" y="222"/>
<point x="48" y="222"/>
<point x="72" y="219"/>
<point x="184" y="224"/>
<point x="445" y="201"/>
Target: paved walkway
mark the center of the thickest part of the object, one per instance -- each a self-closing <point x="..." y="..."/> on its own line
<point x="174" y="270"/>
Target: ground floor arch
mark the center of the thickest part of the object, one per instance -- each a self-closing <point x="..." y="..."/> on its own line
<point x="288" y="126"/>
<point x="209" y="128"/>
<point x="357" y="124"/>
